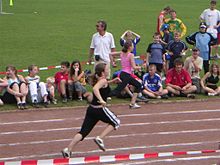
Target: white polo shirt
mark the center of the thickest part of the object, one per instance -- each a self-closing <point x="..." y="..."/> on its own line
<point x="102" y="45"/>
<point x="211" y="18"/>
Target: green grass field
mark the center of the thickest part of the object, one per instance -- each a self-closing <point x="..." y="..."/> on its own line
<point x="46" y="32"/>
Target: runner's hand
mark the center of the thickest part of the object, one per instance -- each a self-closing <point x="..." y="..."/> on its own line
<point x="103" y="103"/>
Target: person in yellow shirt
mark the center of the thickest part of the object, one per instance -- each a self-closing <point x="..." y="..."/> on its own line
<point x="175" y="24"/>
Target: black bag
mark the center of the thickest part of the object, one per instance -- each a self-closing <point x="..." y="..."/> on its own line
<point x="97" y="57"/>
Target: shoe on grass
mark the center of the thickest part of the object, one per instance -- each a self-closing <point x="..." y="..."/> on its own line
<point x="142" y="99"/>
<point x="35" y="104"/>
<point x="191" y="96"/>
<point x="100" y="143"/>
<point x="1" y="102"/>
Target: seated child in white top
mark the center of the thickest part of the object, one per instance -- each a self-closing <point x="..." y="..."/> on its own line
<point x="37" y="89"/>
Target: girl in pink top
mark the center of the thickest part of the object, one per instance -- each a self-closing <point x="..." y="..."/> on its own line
<point x="128" y="65"/>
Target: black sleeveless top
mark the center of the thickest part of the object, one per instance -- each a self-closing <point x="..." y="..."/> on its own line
<point x="212" y="79"/>
<point x="104" y="92"/>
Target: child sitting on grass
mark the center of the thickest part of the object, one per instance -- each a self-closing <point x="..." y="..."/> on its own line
<point x="51" y="90"/>
<point x="152" y="84"/>
<point x="37" y="89"/>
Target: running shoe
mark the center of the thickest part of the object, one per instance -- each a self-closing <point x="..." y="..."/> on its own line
<point x="66" y="153"/>
<point x="100" y="143"/>
<point x="134" y="106"/>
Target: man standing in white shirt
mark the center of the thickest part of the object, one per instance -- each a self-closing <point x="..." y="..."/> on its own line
<point x="211" y="17"/>
<point x="102" y="45"/>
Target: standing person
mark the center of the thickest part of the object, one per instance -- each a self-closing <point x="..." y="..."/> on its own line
<point x="166" y="38"/>
<point x="3" y="85"/>
<point x="96" y="111"/>
<point x="162" y="16"/>
<point x="130" y="36"/>
<point x="126" y="75"/>
<point x="178" y="81"/>
<point x="156" y="53"/>
<point x="61" y="80"/>
<point x="210" y="81"/>
<point x="102" y="45"/>
<point x="176" y="49"/>
<point x="175" y="24"/>
<point x="211" y="17"/>
<point x="37" y="89"/>
<point x="193" y="65"/>
<point x="166" y="35"/>
<point x="17" y="89"/>
<point x="203" y="41"/>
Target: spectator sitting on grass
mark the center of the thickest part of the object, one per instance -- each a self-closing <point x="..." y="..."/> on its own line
<point x="61" y="80"/>
<point x="37" y="89"/>
<point x="51" y="90"/>
<point x="17" y="89"/>
<point x="193" y="65"/>
<point x="152" y="84"/>
<point x="3" y="85"/>
<point x="178" y="81"/>
<point x="77" y="81"/>
<point x="210" y="80"/>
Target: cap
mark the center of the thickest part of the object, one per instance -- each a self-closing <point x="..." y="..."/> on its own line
<point x="195" y="49"/>
<point x="202" y="25"/>
<point x="164" y="27"/>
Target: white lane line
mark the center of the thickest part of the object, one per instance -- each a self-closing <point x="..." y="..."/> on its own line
<point x="121" y="116"/>
<point x="170" y="113"/>
<point x="113" y="149"/>
<point x="117" y="136"/>
<point x="198" y="158"/>
<point x="33" y="121"/>
<point x="122" y="125"/>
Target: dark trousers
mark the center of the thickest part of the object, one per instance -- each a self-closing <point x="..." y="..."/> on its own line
<point x="93" y="115"/>
<point x="126" y="79"/>
<point x="206" y="66"/>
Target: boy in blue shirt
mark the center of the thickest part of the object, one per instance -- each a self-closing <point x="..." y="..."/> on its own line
<point x="152" y="84"/>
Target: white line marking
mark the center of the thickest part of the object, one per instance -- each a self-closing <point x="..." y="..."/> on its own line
<point x="122" y="125"/>
<point x="171" y="113"/>
<point x="35" y="121"/>
<point x="116" y="136"/>
<point x="125" y="115"/>
<point x="168" y="160"/>
<point x="112" y="150"/>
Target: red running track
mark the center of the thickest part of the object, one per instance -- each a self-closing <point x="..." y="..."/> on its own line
<point x="154" y="128"/>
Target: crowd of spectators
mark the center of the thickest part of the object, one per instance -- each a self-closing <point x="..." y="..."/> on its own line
<point x="165" y="72"/>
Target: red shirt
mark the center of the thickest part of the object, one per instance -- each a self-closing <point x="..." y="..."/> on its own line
<point x="61" y="76"/>
<point x="161" y="16"/>
<point x="179" y="79"/>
